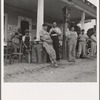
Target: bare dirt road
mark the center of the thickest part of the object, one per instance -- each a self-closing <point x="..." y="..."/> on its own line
<point x="83" y="70"/>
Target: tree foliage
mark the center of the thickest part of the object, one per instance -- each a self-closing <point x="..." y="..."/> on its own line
<point x="90" y="32"/>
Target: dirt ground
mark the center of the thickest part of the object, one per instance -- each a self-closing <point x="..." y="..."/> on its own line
<point x="83" y="70"/>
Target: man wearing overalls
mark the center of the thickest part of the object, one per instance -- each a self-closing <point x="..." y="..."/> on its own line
<point x="93" y="45"/>
<point x="72" y="40"/>
<point x="82" y="44"/>
<point x="27" y="42"/>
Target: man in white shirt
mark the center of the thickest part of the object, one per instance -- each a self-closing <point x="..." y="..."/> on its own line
<point x="55" y="32"/>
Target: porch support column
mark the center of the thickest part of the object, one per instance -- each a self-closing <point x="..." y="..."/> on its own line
<point x="83" y="20"/>
<point x="40" y="17"/>
<point x="66" y="16"/>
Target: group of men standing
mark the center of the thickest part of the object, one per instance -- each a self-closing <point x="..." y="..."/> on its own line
<point x="80" y="40"/>
<point x="52" y="42"/>
<point x="73" y="40"/>
<point x="72" y="37"/>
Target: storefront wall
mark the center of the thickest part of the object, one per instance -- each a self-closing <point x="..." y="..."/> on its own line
<point x="14" y="18"/>
<point x="16" y="15"/>
<point x="13" y="22"/>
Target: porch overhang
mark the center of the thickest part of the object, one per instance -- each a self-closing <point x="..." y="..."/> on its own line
<point x="53" y="8"/>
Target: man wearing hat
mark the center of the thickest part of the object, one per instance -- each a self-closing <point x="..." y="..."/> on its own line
<point x="47" y="44"/>
<point x="82" y="44"/>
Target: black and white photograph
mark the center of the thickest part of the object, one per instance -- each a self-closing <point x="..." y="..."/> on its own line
<point x="50" y="49"/>
<point x="50" y="41"/>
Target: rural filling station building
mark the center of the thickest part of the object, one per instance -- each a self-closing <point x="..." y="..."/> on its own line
<point x="31" y="14"/>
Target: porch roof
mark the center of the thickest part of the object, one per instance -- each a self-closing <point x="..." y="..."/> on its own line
<point x="53" y="8"/>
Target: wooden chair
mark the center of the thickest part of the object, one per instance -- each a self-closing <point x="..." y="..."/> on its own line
<point x="8" y="52"/>
<point x="18" y="53"/>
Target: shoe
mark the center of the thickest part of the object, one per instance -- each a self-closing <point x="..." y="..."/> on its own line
<point x="52" y="65"/>
<point x="78" y="56"/>
<point x="70" y="61"/>
<point x="83" y="57"/>
<point x="73" y="60"/>
<point x="56" y="65"/>
<point x="58" y="60"/>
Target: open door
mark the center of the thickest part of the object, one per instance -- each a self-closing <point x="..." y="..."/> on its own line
<point x="24" y="26"/>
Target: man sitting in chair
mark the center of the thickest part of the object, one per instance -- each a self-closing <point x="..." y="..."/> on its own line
<point x="16" y="42"/>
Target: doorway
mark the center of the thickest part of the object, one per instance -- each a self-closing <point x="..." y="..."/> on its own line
<point x="24" y="26"/>
<point x="24" y="23"/>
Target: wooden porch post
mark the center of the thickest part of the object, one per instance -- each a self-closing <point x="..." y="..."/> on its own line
<point x="65" y="27"/>
<point x="40" y="17"/>
<point x="82" y="20"/>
